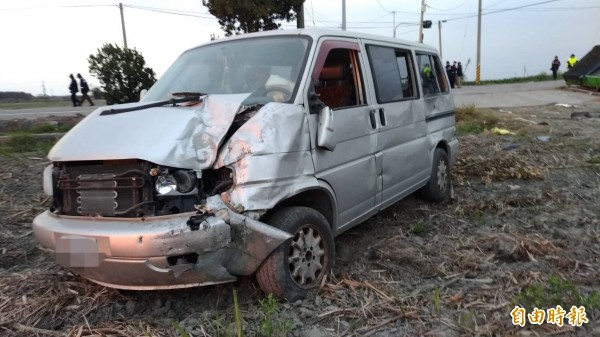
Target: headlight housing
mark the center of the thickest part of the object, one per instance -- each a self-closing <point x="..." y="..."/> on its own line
<point x="168" y="181"/>
<point x="47" y="180"/>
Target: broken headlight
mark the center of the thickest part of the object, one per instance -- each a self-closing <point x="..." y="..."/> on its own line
<point x="182" y="181"/>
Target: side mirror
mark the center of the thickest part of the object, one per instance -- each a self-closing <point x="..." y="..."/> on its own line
<point x="314" y="103"/>
<point x="143" y="93"/>
<point x="325" y="131"/>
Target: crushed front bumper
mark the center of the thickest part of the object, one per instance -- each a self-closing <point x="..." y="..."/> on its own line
<point x="175" y="251"/>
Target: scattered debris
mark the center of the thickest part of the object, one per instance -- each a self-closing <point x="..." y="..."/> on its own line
<point x="580" y="115"/>
<point x="510" y="146"/>
<point x="543" y="138"/>
<point x="499" y="131"/>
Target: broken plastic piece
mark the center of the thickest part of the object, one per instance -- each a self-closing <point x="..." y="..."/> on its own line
<point x="498" y="131"/>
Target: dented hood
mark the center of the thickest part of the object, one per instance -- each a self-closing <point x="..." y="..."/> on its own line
<point x="183" y="137"/>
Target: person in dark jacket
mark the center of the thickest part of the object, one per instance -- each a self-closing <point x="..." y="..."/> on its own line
<point x="84" y="90"/>
<point x="459" y="75"/>
<point x="451" y="72"/>
<point x="73" y="88"/>
<point x="555" y="66"/>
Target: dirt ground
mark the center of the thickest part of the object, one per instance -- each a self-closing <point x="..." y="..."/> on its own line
<point x="522" y="230"/>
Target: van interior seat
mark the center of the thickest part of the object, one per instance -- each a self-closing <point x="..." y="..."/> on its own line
<point x="334" y="88"/>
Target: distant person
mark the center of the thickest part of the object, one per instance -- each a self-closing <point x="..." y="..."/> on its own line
<point x="453" y="75"/>
<point x="555" y="66"/>
<point x="571" y="62"/>
<point x="451" y="72"/>
<point x="73" y="88"/>
<point x="84" y="90"/>
<point x="459" y="75"/>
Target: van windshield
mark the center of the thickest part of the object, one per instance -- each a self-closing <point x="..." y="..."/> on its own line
<point x="267" y="68"/>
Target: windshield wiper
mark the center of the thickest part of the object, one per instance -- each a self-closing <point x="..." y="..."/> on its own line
<point x="174" y="101"/>
<point x="188" y="94"/>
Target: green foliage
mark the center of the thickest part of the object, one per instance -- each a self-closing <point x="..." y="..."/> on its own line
<point x="269" y="306"/>
<point x="237" y="314"/>
<point x="436" y="300"/>
<point x="122" y="73"/>
<point x="245" y="16"/>
<point x="97" y="93"/>
<point x="268" y="327"/>
<point x="556" y="291"/>
<point x="37" y="103"/>
<point x="14" y="96"/>
<point x="420" y="228"/>
<point x="595" y="160"/>
<point x="21" y="142"/>
<point x="180" y="330"/>
<point x="50" y="128"/>
<point x="472" y="120"/>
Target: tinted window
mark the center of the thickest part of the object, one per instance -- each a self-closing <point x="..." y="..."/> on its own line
<point x="392" y="72"/>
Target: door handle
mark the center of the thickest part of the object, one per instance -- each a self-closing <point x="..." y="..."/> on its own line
<point x="382" y="116"/>
<point x="373" y="119"/>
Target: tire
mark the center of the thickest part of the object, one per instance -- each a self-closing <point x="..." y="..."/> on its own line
<point x="439" y="186"/>
<point x="298" y="265"/>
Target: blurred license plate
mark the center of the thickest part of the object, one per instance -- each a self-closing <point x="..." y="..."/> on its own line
<point x="77" y="251"/>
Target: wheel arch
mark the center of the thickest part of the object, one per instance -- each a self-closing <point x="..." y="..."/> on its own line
<point x="321" y="198"/>
<point x="443" y="144"/>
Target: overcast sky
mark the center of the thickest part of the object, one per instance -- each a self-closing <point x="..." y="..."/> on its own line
<point x="43" y="41"/>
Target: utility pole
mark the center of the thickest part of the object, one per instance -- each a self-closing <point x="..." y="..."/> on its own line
<point x="300" y="17"/>
<point x="478" y="67"/>
<point x="123" y="25"/>
<point x="394" y="24"/>
<point x="421" y="21"/>
<point x="343" y="14"/>
<point x="440" y="34"/>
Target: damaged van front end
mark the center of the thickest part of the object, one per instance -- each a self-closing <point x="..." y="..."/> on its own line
<point x="168" y="193"/>
<point x="156" y="221"/>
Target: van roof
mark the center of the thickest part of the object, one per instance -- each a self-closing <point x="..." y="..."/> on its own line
<point x="317" y="33"/>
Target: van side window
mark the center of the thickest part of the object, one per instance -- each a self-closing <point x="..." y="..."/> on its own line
<point x="433" y="75"/>
<point x="392" y="71"/>
<point x="340" y="82"/>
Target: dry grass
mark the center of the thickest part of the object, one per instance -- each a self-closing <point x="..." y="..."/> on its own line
<point x="510" y="227"/>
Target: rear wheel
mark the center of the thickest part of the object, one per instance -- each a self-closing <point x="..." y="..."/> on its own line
<point x="298" y="265"/>
<point x="439" y="186"/>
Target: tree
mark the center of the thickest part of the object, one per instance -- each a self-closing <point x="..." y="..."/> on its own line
<point x="237" y="16"/>
<point x="122" y="73"/>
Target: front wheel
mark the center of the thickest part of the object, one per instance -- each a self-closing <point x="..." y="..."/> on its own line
<point x="298" y="265"/>
<point x="439" y="186"/>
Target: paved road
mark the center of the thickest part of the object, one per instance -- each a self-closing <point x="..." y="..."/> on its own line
<point x="41" y="112"/>
<point x="499" y="95"/>
<point x="521" y="94"/>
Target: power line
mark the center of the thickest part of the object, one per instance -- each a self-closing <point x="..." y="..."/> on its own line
<point x="503" y="10"/>
<point x="174" y="12"/>
<point x="44" y="7"/>
<point x="380" y="5"/>
<point x="495" y="4"/>
<point x="450" y="9"/>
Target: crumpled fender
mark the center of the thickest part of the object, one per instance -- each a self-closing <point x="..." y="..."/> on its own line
<point x="251" y="240"/>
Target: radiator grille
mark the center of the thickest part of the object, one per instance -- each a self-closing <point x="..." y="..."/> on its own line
<point x="109" y="188"/>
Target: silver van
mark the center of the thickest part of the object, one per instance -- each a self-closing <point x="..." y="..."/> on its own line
<point x="248" y="156"/>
